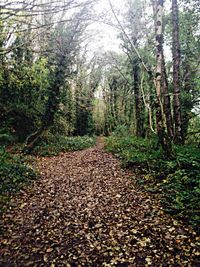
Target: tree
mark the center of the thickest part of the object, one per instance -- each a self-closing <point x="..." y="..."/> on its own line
<point x="176" y="72"/>
<point x="190" y="54"/>
<point x="23" y="89"/>
<point x="67" y="43"/>
<point x="135" y="30"/>
<point x="163" y="138"/>
<point x="165" y="97"/>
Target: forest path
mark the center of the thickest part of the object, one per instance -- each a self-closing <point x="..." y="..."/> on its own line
<point x="86" y="211"/>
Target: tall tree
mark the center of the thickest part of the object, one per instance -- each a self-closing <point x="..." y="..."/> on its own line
<point x="163" y="137"/>
<point x="167" y="102"/>
<point x="65" y="46"/>
<point x="165" y="88"/>
<point x="135" y="31"/>
<point x="176" y="71"/>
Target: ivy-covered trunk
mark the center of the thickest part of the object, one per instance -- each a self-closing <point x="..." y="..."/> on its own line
<point x="51" y="106"/>
<point x="176" y="72"/>
<point x="186" y="101"/>
<point x="113" y="101"/>
<point x="190" y="70"/>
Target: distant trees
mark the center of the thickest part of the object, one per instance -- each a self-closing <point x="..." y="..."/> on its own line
<point x="190" y="58"/>
<point x="153" y="83"/>
<point x="135" y="26"/>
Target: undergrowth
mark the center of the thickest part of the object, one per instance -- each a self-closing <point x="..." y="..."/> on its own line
<point x="177" y="180"/>
<point x="53" y="145"/>
<point x="15" y="173"/>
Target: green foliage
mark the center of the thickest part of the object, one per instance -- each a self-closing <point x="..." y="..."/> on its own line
<point x="182" y="187"/>
<point x="177" y="180"/>
<point x="5" y="137"/>
<point x="52" y="145"/>
<point x="134" y="151"/>
<point x="182" y="194"/>
<point x="121" y="130"/>
<point x="193" y="135"/>
<point x="23" y="92"/>
<point x="14" y="174"/>
<point x="61" y="126"/>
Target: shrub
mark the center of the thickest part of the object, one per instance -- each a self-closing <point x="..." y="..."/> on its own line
<point x="14" y="174"/>
<point x="182" y="187"/>
<point x="6" y="138"/>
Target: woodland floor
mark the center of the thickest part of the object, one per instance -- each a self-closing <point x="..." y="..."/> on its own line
<point x="85" y="210"/>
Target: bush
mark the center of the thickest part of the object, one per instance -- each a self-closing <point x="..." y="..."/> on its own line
<point x="14" y="174"/>
<point x="134" y="152"/>
<point x="6" y="137"/>
<point x="182" y="187"/>
<point x="182" y="194"/>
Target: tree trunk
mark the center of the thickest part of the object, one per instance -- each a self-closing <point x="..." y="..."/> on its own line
<point x="186" y="101"/>
<point x="176" y="72"/>
<point x="113" y="99"/>
<point x="167" y="102"/>
<point x="162" y="136"/>
<point x="138" y="100"/>
<point x="165" y="90"/>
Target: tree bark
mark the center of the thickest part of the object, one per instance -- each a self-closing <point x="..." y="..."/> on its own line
<point x="176" y="72"/>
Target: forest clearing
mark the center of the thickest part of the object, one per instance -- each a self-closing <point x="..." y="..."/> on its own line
<point x="99" y="133"/>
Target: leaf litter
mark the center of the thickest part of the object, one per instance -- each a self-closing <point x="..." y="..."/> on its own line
<point x="85" y="210"/>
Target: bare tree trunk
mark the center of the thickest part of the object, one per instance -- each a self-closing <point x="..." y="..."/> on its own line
<point x="176" y="72"/>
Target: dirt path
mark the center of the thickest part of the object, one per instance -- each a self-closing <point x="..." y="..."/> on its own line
<point x="86" y="211"/>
